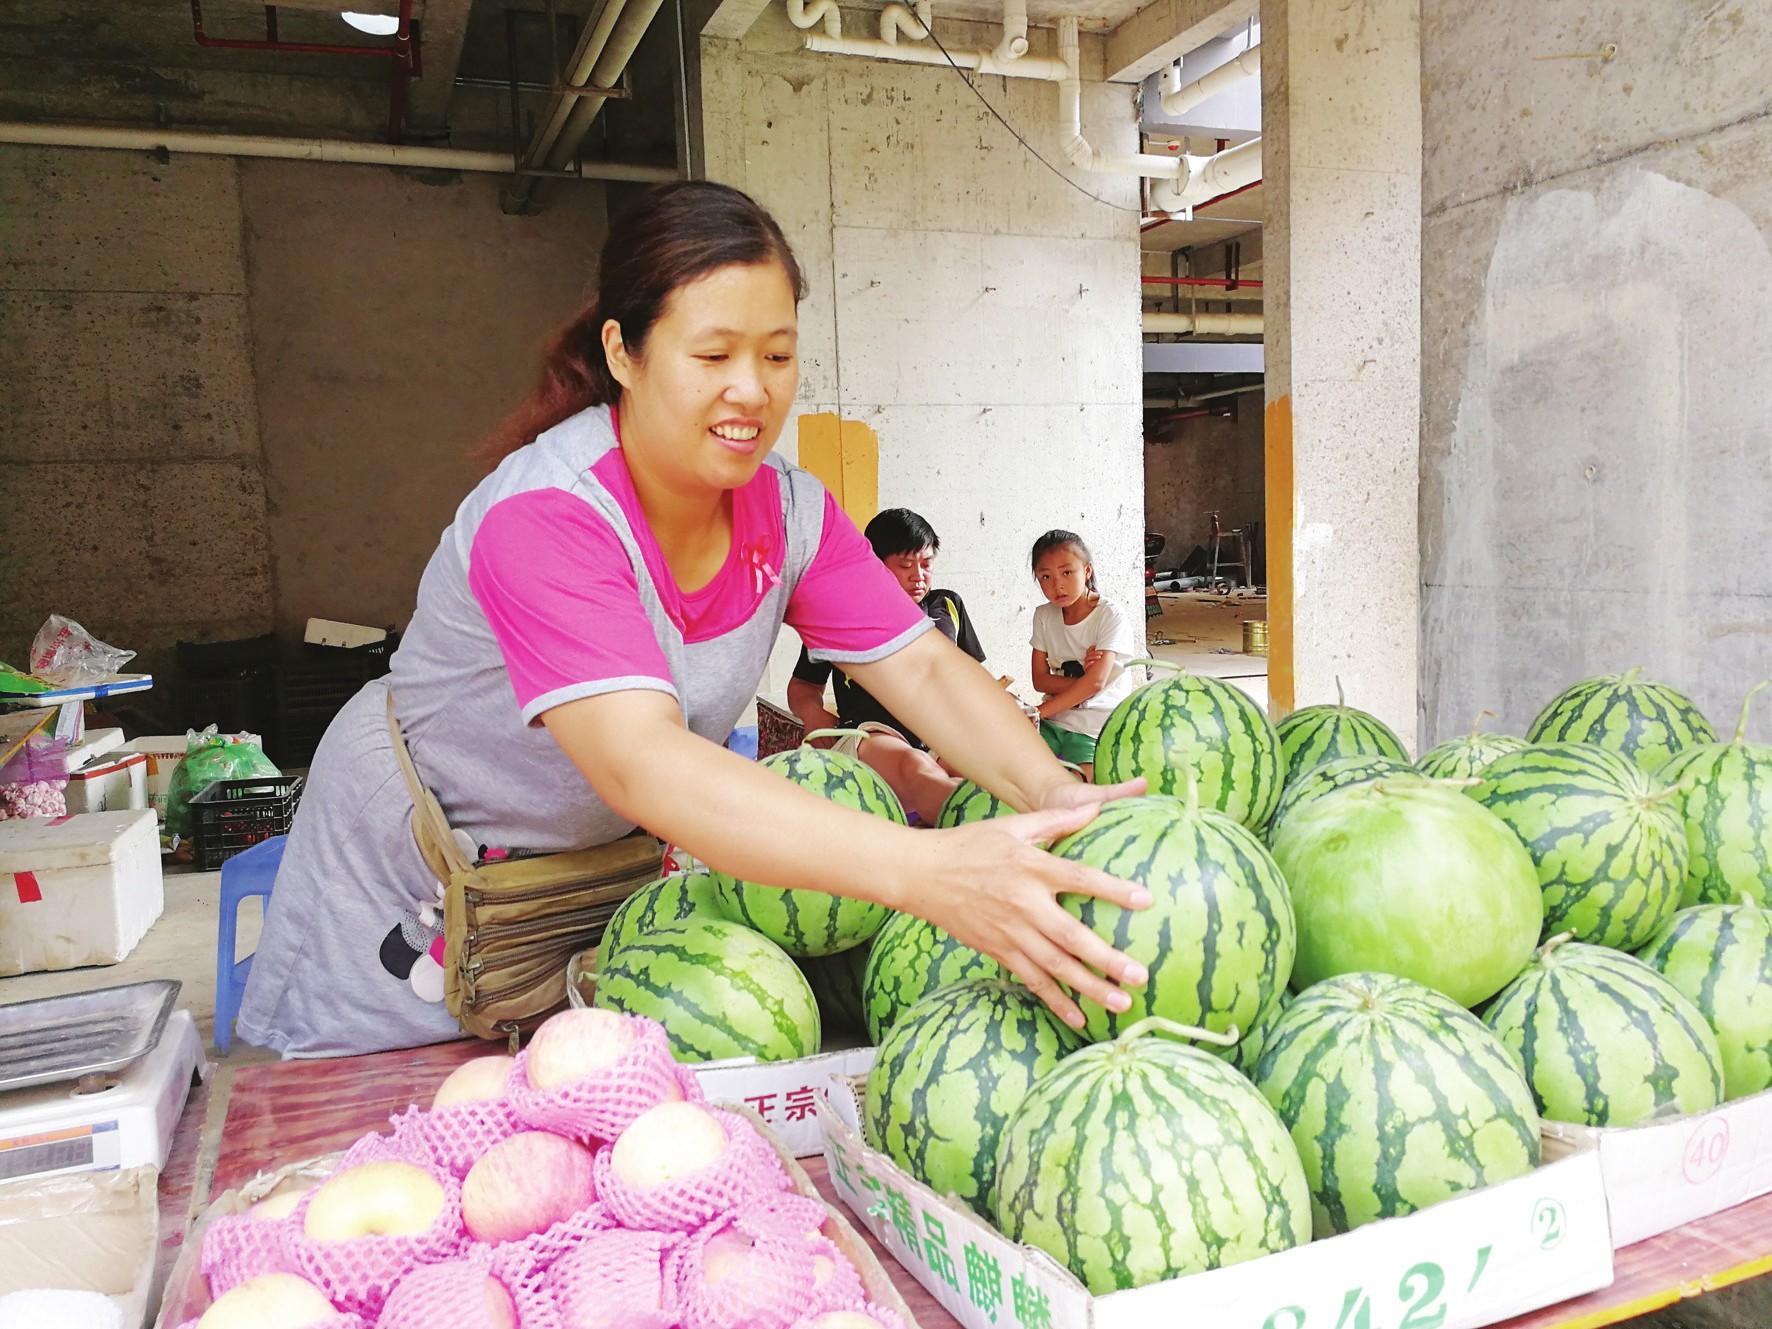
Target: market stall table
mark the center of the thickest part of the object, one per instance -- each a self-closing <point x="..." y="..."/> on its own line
<point x="280" y="1112"/>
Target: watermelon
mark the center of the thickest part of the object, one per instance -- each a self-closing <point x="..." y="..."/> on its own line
<point x="1468" y="757"/>
<point x="1313" y="735"/>
<point x="1646" y="722"/>
<point x="1606" y="839"/>
<point x="970" y="802"/>
<point x="1725" y="802"/>
<point x="1189" y="727"/>
<point x="836" y="982"/>
<point x="1146" y="1159"/>
<point x="1397" y="1098"/>
<point x="670" y="899"/>
<point x="1605" y="1040"/>
<point x="1218" y="938"/>
<point x="804" y="922"/>
<point x="949" y="1074"/>
<point x="1336" y="773"/>
<point x="719" y="989"/>
<point x="1409" y="878"/>
<point x="1720" y="957"/>
<point x="1251" y="1042"/>
<point x="910" y="959"/>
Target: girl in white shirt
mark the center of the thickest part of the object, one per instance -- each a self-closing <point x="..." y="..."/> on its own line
<point x="1081" y="645"/>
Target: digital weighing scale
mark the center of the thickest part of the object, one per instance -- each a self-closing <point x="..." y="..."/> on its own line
<point x="94" y="1081"/>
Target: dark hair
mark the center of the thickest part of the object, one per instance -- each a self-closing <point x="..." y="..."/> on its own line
<point x="1063" y="540"/>
<point x="900" y="531"/>
<point x="671" y="236"/>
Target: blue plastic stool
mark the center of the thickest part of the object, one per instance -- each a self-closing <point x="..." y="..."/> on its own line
<point x="743" y="741"/>
<point x="250" y="872"/>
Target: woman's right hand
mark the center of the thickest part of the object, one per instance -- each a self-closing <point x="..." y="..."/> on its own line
<point x="991" y="886"/>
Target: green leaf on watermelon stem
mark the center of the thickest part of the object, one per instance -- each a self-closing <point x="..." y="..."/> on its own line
<point x="1741" y="724"/>
<point x="1157" y="1024"/>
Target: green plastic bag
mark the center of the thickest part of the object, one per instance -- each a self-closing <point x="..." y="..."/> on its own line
<point x="210" y="756"/>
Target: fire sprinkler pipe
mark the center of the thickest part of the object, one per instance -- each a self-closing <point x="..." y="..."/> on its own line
<point x="1178" y="100"/>
<point x="1214" y="325"/>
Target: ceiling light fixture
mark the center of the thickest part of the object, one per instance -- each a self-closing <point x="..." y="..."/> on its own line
<point x="376" y="25"/>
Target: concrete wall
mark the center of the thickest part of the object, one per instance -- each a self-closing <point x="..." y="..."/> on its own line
<point x="1597" y="356"/>
<point x="976" y="310"/>
<point x="1202" y="465"/>
<point x="240" y="394"/>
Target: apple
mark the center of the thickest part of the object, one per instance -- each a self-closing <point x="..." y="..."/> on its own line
<point x="481" y="1080"/>
<point x="526" y="1184"/>
<point x="574" y="1045"/>
<point x="724" y="1255"/>
<point x="844" y="1320"/>
<point x="374" y="1200"/>
<point x="279" y="1206"/>
<point x="270" y="1301"/>
<point x="666" y="1142"/>
<point x="429" y="1284"/>
<point x="582" y="1280"/>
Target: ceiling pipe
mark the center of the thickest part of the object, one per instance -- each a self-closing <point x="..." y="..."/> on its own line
<point x="897" y="18"/>
<point x="1178" y="100"/>
<point x="1015" y="30"/>
<point x="302" y="149"/>
<point x="982" y="62"/>
<point x="1204" y="324"/>
<point x="804" y="16"/>
<point x="1207" y="179"/>
<point x="1228" y="283"/>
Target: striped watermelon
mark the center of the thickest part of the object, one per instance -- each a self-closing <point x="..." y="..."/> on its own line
<point x="1313" y="735"/>
<point x="1468" y="757"/>
<point x="1646" y="722"/>
<point x="1605" y="838"/>
<point x="947" y="1077"/>
<point x="1720" y="956"/>
<point x="1218" y="937"/>
<point x="1251" y="1042"/>
<point x="1397" y="1098"/>
<point x="836" y="982"/>
<point x="1605" y="1040"/>
<point x="806" y="922"/>
<point x="1145" y="1159"/>
<point x="1725" y="801"/>
<point x="910" y="959"/>
<point x="1409" y="878"/>
<point x="1187" y="727"/>
<point x="719" y="989"/>
<point x="670" y="899"/>
<point x="1337" y="773"/>
<point x="970" y="802"/>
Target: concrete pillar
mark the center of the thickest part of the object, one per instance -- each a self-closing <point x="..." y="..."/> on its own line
<point x="1341" y="156"/>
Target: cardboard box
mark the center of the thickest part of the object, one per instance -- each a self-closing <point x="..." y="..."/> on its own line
<point x="165" y="752"/>
<point x="77" y="890"/>
<point x="117" y="783"/>
<point x="1660" y="1175"/>
<point x="783" y="1094"/>
<point x="83" y="1232"/>
<point x="1461" y="1264"/>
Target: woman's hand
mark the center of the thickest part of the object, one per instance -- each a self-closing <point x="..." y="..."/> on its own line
<point x="990" y="886"/>
<point x="1081" y="794"/>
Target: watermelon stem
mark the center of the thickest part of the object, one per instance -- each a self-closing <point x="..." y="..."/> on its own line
<point x="1192" y="800"/>
<point x="1545" y="950"/>
<point x="833" y="733"/>
<point x="1340" y="696"/>
<point x="1630" y="675"/>
<point x="1152" y="663"/>
<point x="1159" y="1025"/>
<point x="1741" y="724"/>
<point x="1477" y="724"/>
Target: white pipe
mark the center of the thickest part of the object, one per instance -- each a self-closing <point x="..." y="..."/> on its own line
<point x="1204" y="178"/>
<point x="1015" y="30"/>
<point x="300" y="149"/>
<point x="584" y="60"/>
<point x="1216" y="325"/>
<point x="1081" y="152"/>
<point x="624" y="38"/>
<point x="803" y="16"/>
<point x="1179" y="100"/>
<point x="983" y="62"/>
<point x="896" y="18"/>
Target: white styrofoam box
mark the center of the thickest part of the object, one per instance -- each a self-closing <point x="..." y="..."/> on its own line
<point x="1660" y="1175"/>
<point x="1470" y="1261"/>
<point x="77" y="890"/>
<point x="783" y="1093"/>
<point x="110" y="784"/>
<point x="165" y="752"/>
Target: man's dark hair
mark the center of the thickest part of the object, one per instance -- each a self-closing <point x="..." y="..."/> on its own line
<point x="900" y="531"/>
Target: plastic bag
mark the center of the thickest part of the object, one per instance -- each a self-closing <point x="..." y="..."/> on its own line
<point x="212" y="756"/>
<point x="67" y="655"/>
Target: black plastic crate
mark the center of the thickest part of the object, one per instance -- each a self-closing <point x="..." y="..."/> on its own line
<point x="228" y="816"/>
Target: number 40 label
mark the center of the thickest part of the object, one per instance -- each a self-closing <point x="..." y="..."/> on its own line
<point x="1420" y="1300"/>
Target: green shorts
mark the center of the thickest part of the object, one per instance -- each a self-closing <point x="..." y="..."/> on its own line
<point x="1068" y="744"/>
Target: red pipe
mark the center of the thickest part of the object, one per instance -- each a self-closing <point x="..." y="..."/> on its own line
<point x="1229" y="283"/>
<point x="1164" y="218"/>
<point x="402" y="53"/>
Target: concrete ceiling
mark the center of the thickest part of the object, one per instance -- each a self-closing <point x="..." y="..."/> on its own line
<point x="1212" y="224"/>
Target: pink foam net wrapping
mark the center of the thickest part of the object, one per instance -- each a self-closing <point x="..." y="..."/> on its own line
<point x="746" y="1171"/>
<point x="342" y="1320"/>
<point x="452" y="1295"/>
<point x="780" y="1212"/>
<point x="237" y="1247"/>
<point x="616" y="1280"/>
<point x="359" y="1272"/>
<point x="539" y="1250"/>
<point x="453" y="1138"/>
<point x="601" y="1106"/>
<point x="770" y="1285"/>
<point x="887" y="1319"/>
<point x="374" y="1148"/>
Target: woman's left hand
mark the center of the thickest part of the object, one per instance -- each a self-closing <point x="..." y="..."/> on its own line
<point x="1080" y="793"/>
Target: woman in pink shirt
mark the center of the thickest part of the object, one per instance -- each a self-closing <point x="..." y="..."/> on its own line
<point x="596" y="619"/>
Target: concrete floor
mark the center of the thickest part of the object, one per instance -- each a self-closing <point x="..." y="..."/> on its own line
<point x="1204" y="634"/>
